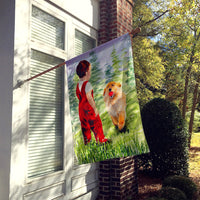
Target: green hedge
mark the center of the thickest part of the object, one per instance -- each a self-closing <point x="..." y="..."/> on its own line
<point x="171" y="193"/>
<point x="183" y="183"/>
<point x="167" y="137"/>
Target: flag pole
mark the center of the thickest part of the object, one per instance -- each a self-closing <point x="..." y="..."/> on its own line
<point x="133" y="34"/>
<point x="20" y="83"/>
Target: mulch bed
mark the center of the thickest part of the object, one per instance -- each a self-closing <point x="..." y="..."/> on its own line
<point x="148" y="186"/>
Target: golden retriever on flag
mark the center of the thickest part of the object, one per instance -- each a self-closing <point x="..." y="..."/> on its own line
<point x="115" y="101"/>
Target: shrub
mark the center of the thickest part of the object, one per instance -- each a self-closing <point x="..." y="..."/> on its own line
<point x="183" y="183"/>
<point x="144" y="162"/>
<point x="171" y="193"/>
<point x="167" y="137"/>
<point x="156" y="198"/>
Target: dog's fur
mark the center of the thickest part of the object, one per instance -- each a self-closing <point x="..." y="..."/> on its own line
<point x="115" y="103"/>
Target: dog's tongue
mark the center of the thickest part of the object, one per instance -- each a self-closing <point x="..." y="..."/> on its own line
<point x="111" y="93"/>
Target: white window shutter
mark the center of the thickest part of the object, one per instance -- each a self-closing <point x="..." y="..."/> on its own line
<point x="47" y="29"/>
<point x="45" y="140"/>
<point x="83" y="43"/>
<point x="45" y="134"/>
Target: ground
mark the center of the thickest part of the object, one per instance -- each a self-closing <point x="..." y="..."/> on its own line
<point x="149" y="186"/>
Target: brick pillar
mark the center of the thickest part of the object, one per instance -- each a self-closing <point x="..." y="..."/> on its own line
<point x="118" y="179"/>
<point x="104" y="180"/>
<point x="115" y="19"/>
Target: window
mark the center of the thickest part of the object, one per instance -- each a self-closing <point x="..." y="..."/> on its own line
<point x="45" y="138"/>
<point x="83" y="43"/>
<point x="47" y="29"/>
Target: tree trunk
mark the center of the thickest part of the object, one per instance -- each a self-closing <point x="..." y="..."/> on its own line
<point x="185" y="91"/>
<point x="188" y="75"/>
<point x="198" y="99"/>
<point x="193" y="109"/>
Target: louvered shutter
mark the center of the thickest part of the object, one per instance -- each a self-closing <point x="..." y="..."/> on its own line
<point x="83" y="43"/>
<point x="45" y="142"/>
<point x="46" y="28"/>
<point x="45" y="135"/>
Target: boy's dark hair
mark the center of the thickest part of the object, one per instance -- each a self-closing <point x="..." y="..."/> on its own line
<point x="82" y="68"/>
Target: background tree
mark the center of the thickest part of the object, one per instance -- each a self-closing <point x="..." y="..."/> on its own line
<point x="149" y="70"/>
<point x="183" y="30"/>
<point x="148" y="65"/>
<point x="195" y="98"/>
<point x="174" y="25"/>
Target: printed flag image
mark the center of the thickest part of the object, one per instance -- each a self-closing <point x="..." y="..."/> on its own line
<point x="104" y="109"/>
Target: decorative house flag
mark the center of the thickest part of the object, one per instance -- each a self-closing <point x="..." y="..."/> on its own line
<point x="104" y="108"/>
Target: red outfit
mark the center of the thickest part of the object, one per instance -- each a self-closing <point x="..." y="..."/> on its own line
<point x="88" y="118"/>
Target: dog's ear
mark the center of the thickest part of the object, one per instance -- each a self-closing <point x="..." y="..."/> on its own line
<point x="104" y="91"/>
<point x="119" y="84"/>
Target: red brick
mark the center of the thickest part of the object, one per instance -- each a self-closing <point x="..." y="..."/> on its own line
<point x="111" y="13"/>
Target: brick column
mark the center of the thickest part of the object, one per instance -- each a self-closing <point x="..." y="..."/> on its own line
<point x="104" y="180"/>
<point x="118" y="179"/>
<point x="115" y="19"/>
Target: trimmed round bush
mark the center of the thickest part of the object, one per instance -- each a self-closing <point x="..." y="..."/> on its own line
<point x="167" y="137"/>
<point x="171" y="193"/>
<point x="183" y="183"/>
